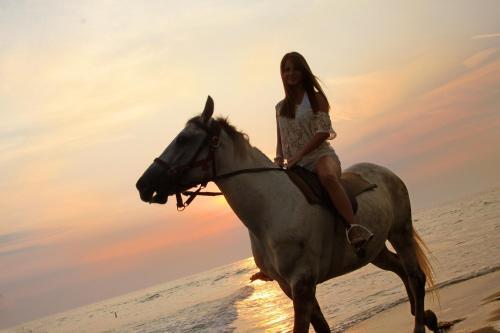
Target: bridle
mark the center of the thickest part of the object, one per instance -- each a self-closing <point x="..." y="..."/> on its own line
<point x="208" y="163"/>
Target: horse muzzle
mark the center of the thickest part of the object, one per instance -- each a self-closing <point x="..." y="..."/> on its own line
<point x="150" y="193"/>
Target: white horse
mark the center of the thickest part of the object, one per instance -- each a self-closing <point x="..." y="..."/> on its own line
<point x="293" y="242"/>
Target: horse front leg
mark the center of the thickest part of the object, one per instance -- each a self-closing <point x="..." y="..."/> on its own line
<point x="303" y="295"/>
<point x="318" y="321"/>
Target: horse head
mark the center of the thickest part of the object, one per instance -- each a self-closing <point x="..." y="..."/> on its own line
<point x="186" y="162"/>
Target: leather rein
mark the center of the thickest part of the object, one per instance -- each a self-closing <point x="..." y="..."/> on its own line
<point x="207" y="163"/>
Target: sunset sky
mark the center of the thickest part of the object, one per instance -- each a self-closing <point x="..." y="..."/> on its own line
<point x="92" y="91"/>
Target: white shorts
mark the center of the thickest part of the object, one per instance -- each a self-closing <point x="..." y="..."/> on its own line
<point x="310" y="162"/>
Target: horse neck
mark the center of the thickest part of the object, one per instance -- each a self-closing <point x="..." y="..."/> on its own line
<point x="248" y="193"/>
<point x="229" y="158"/>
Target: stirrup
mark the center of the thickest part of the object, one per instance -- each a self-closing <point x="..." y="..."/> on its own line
<point x="370" y="234"/>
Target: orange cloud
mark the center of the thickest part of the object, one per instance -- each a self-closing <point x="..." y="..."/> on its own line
<point x="211" y="224"/>
<point x="443" y="116"/>
<point x="479" y="57"/>
<point x="450" y="157"/>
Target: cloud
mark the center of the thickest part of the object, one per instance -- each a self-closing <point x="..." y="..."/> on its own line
<point x="161" y="238"/>
<point x="361" y="96"/>
<point x="479" y="58"/>
<point x="26" y="253"/>
<point x="438" y="130"/>
<point x="483" y="36"/>
<point x="12" y="237"/>
<point x="25" y="239"/>
<point x="4" y="253"/>
<point x="370" y="95"/>
<point x="77" y="99"/>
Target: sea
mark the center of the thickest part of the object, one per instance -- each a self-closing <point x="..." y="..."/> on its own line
<point x="463" y="237"/>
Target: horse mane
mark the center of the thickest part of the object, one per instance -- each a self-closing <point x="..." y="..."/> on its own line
<point x="239" y="138"/>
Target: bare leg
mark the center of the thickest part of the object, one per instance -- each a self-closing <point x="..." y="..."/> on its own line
<point x="328" y="171"/>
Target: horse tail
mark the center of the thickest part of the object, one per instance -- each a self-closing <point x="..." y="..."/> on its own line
<point x="423" y="261"/>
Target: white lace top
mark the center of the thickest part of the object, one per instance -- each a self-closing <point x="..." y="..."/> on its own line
<point x="297" y="132"/>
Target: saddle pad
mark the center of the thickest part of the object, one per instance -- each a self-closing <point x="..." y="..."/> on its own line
<point x="308" y="182"/>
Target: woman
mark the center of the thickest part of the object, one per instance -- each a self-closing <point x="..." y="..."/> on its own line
<point x="303" y="128"/>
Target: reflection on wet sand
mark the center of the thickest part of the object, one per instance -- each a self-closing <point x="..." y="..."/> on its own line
<point x="275" y="311"/>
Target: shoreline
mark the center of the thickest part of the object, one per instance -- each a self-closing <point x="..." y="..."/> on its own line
<point x="475" y="302"/>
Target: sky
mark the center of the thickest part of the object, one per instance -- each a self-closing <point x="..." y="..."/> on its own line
<point x="91" y="92"/>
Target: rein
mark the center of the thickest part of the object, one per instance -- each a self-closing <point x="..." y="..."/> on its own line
<point x="212" y="139"/>
<point x="192" y="194"/>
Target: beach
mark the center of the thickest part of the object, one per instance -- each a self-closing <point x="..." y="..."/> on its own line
<point x="475" y="302"/>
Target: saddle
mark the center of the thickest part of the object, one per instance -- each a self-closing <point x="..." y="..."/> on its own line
<point x="308" y="182"/>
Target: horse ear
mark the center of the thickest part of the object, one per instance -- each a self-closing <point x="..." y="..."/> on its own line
<point x="209" y="110"/>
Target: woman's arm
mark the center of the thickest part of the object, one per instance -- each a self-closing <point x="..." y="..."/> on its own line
<point x="279" y="149"/>
<point x="315" y="142"/>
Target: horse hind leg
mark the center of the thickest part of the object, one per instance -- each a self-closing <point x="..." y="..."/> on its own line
<point x="389" y="261"/>
<point x="415" y="264"/>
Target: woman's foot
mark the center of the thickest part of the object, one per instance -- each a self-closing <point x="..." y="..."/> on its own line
<point x="260" y="276"/>
<point x="359" y="236"/>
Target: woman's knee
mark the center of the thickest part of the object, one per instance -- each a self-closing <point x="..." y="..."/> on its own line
<point x="327" y="165"/>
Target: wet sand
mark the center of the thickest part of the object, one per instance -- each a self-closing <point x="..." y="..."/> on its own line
<point x="476" y="301"/>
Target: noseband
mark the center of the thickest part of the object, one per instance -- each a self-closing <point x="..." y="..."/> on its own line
<point x="212" y="140"/>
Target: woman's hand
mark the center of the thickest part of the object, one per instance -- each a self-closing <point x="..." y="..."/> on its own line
<point x="279" y="161"/>
<point x="294" y="160"/>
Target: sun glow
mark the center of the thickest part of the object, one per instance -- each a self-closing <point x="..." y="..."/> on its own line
<point x="277" y="313"/>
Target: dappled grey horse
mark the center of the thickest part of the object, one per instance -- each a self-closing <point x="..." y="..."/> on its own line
<point x="293" y="242"/>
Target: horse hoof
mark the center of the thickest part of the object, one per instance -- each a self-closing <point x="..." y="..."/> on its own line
<point x="431" y="320"/>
